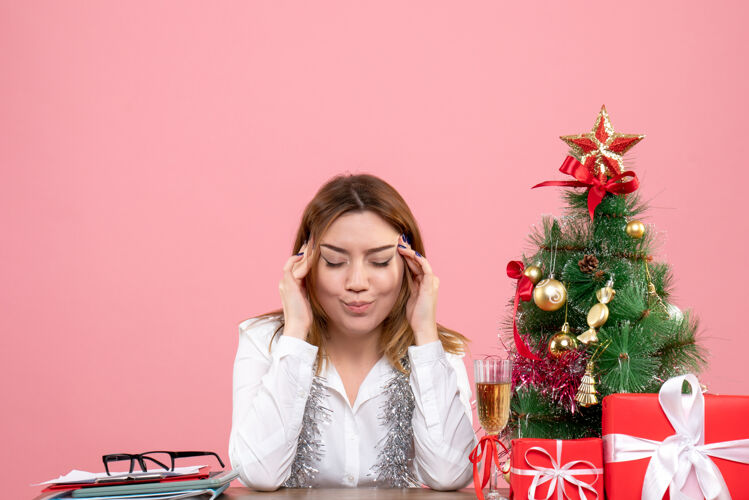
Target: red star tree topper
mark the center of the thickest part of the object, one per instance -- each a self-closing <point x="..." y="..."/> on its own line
<point x="601" y="149"/>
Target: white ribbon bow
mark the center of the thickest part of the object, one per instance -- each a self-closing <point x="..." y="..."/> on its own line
<point x="558" y="475"/>
<point x="672" y="459"/>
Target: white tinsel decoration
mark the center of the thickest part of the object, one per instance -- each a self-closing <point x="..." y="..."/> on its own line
<point x="394" y="463"/>
<point x="309" y="445"/>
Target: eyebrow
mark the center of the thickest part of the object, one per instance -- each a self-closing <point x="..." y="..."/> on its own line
<point x="366" y="252"/>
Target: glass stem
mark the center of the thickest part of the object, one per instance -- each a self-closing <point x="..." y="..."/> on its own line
<point x="494" y="479"/>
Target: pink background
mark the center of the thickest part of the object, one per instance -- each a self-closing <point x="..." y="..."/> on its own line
<point x="156" y="158"/>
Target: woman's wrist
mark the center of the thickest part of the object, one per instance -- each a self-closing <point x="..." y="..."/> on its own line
<point x="296" y="332"/>
<point x="424" y="336"/>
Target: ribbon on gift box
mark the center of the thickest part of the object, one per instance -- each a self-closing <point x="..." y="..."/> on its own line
<point x="672" y="460"/>
<point x="557" y="474"/>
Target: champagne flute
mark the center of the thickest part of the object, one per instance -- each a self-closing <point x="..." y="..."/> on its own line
<point x="493" y="380"/>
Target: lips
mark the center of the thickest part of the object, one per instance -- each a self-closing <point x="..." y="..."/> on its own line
<point x="357" y="307"/>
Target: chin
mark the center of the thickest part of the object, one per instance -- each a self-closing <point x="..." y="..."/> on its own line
<point x="360" y="326"/>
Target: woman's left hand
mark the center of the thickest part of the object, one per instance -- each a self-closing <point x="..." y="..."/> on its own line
<point x="421" y="309"/>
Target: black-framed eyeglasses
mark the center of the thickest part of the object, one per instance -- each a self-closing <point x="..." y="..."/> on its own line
<point x="160" y="458"/>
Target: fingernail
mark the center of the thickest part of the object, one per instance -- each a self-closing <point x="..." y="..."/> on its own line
<point x="408" y="240"/>
<point x="401" y="246"/>
<point x="417" y="253"/>
<point x="300" y="253"/>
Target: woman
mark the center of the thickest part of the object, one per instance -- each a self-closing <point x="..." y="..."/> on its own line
<point x="353" y="383"/>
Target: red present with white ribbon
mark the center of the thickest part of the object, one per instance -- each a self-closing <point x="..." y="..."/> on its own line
<point x="543" y="469"/>
<point x="691" y="446"/>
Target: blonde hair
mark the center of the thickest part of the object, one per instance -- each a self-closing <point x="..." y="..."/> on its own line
<point x="359" y="193"/>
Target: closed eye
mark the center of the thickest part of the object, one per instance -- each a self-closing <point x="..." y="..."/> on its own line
<point x="339" y="264"/>
<point x="332" y="264"/>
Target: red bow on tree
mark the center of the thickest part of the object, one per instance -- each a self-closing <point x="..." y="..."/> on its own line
<point x="523" y="292"/>
<point x="597" y="186"/>
<point x="487" y="447"/>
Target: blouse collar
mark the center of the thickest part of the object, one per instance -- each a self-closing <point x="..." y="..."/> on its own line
<point x="371" y="386"/>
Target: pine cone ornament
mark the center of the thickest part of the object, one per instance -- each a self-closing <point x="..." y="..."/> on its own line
<point x="588" y="263"/>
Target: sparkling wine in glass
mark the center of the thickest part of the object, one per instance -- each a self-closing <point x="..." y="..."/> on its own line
<point x="493" y="379"/>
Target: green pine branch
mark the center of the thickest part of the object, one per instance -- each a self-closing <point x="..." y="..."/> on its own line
<point x="644" y="340"/>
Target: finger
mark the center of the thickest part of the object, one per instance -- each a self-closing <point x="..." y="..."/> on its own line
<point x="412" y="264"/>
<point x="291" y="261"/>
<point x="425" y="265"/>
<point x="295" y="258"/>
<point x="404" y="244"/>
<point x="302" y="267"/>
<point x="304" y="247"/>
<point x="421" y="260"/>
<point x="411" y="259"/>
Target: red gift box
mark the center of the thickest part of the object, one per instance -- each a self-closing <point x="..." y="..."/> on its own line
<point x="555" y="468"/>
<point x="672" y="428"/>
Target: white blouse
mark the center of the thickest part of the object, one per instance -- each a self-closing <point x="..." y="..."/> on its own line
<point x="271" y="390"/>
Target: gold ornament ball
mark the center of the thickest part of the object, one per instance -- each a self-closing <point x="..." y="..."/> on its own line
<point x="635" y="229"/>
<point x="533" y="273"/>
<point x="549" y="294"/>
<point x="561" y="343"/>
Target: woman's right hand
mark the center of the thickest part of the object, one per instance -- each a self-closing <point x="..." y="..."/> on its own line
<point x="297" y="312"/>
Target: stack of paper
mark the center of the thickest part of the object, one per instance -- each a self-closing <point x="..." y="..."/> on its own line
<point x="183" y="482"/>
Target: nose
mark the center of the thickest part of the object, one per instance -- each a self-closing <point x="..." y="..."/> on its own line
<point x="356" y="279"/>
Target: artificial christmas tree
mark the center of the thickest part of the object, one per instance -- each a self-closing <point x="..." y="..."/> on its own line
<point x="591" y="315"/>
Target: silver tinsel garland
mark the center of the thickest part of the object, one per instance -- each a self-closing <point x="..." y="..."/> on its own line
<point x="309" y="445"/>
<point x="394" y="463"/>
